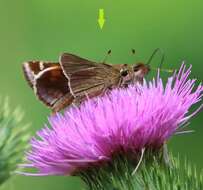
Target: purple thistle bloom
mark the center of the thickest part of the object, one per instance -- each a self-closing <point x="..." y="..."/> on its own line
<point x="141" y="116"/>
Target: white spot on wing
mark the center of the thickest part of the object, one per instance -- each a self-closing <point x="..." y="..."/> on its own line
<point x="41" y="65"/>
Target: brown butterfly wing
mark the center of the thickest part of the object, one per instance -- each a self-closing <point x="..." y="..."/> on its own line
<point x="87" y="77"/>
<point x="49" y="83"/>
<point x="32" y="68"/>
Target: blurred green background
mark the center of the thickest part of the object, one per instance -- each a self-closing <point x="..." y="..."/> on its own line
<point x="43" y="29"/>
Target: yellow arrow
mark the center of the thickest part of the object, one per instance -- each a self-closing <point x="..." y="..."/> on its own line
<point x="101" y="19"/>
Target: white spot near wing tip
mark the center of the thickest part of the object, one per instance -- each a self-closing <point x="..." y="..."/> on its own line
<point x="27" y="71"/>
<point x="34" y="86"/>
<point x="41" y="65"/>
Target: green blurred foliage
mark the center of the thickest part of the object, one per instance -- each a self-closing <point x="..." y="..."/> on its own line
<point x="43" y="29"/>
<point x="14" y="136"/>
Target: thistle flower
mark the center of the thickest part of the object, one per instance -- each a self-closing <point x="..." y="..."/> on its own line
<point x="139" y="117"/>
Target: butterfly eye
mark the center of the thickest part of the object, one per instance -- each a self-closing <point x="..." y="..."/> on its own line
<point x="124" y="73"/>
<point x="135" y="69"/>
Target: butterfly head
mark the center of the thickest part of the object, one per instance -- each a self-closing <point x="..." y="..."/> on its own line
<point x="140" y="70"/>
<point x="131" y="74"/>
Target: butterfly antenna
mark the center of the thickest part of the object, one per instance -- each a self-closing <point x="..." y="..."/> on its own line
<point x="161" y="64"/>
<point x="107" y="55"/>
<point x="153" y="54"/>
<point x="162" y="61"/>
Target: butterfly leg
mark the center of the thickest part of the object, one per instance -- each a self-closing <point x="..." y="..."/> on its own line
<point x="77" y="101"/>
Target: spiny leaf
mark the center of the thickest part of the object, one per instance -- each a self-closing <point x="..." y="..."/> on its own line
<point x="153" y="174"/>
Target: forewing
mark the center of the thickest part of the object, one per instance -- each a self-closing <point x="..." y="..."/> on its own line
<point x="72" y="63"/>
<point x="87" y="78"/>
